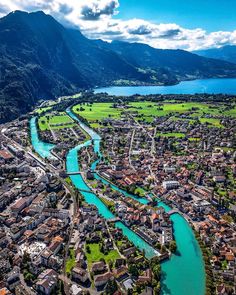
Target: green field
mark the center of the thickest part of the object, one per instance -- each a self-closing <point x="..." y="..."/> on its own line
<point x="70" y="263"/>
<point x="166" y="108"/>
<point x="95" y="125"/>
<point x="107" y="202"/>
<point x="55" y="122"/>
<point x="39" y="111"/>
<point x="194" y="139"/>
<point x="97" y="111"/>
<point x="211" y="121"/>
<point x="140" y="191"/>
<point x="171" y="134"/>
<point x="96" y="254"/>
<point x="147" y="111"/>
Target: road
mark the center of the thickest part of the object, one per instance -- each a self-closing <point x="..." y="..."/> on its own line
<point x="130" y="149"/>
<point x="75" y="134"/>
<point x="153" y="151"/>
<point x="53" y="133"/>
<point x="153" y="146"/>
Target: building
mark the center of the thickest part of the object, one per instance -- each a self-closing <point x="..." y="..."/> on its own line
<point x="75" y="290"/>
<point x="13" y="279"/>
<point x="101" y="280"/>
<point x="169" y="169"/>
<point x="6" y="156"/>
<point x="172" y="184"/>
<point x="98" y="266"/>
<point x="5" y="291"/>
<point x="79" y="274"/>
<point x="47" y="282"/>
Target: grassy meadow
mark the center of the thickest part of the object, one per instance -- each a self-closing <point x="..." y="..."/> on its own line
<point x="95" y="254"/>
<point x="55" y="122"/>
<point x="147" y="111"/>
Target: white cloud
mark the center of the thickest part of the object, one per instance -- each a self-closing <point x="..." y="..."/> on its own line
<point x="95" y="19"/>
<point x="94" y="10"/>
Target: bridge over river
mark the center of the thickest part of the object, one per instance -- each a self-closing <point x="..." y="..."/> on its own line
<point x="174" y="211"/>
<point x="81" y="172"/>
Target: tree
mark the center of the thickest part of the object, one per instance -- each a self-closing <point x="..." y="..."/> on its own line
<point x="157" y="272"/>
<point x="163" y="249"/>
<point x="155" y="260"/>
<point x="133" y="270"/>
<point x="111" y="287"/>
<point x="110" y="264"/>
<point x="157" y="289"/>
<point x="26" y="260"/>
<point x="158" y="246"/>
<point x="173" y="246"/>
<point x="28" y="277"/>
<point x="88" y="249"/>
<point x="101" y="248"/>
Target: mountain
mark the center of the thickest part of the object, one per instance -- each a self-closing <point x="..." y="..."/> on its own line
<point x="41" y="59"/>
<point x="182" y="64"/>
<point x="227" y="53"/>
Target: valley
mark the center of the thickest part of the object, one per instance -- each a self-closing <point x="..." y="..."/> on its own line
<point x="134" y="175"/>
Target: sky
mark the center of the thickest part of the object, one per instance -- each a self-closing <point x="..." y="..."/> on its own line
<point x="182" y="24"/>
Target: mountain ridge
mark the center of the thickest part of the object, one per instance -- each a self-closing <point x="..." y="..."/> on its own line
<point x="180" y="62"/>
<point x="226" y="53"/>
<point x="42" y="59"/>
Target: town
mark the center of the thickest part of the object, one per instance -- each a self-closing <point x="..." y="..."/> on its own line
<point x="93" y="189"/>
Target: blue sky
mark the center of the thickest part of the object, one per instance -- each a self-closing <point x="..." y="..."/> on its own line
<point x="183" y="24"/>
<point x="212" y="15"/>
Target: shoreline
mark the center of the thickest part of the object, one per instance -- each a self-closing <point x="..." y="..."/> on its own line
<point x="210" y="86"/>
<point x="161" y="84"/>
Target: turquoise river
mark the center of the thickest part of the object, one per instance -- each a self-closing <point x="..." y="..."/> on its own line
<point x="184" y="273"/>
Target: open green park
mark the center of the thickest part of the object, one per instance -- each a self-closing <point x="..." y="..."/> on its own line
<point x="204" y="112"/>
<point x="95" y="255"/>
<point x="60" y="121"/>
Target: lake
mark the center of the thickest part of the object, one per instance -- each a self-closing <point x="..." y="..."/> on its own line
<point x="212" y="86"/>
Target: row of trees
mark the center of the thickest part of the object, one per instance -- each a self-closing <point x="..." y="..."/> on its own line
<point x="210" y="282"/>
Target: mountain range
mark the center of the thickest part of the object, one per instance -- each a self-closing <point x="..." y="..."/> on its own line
<point x="41" y="59"/>
<point x="227" y="53"/>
